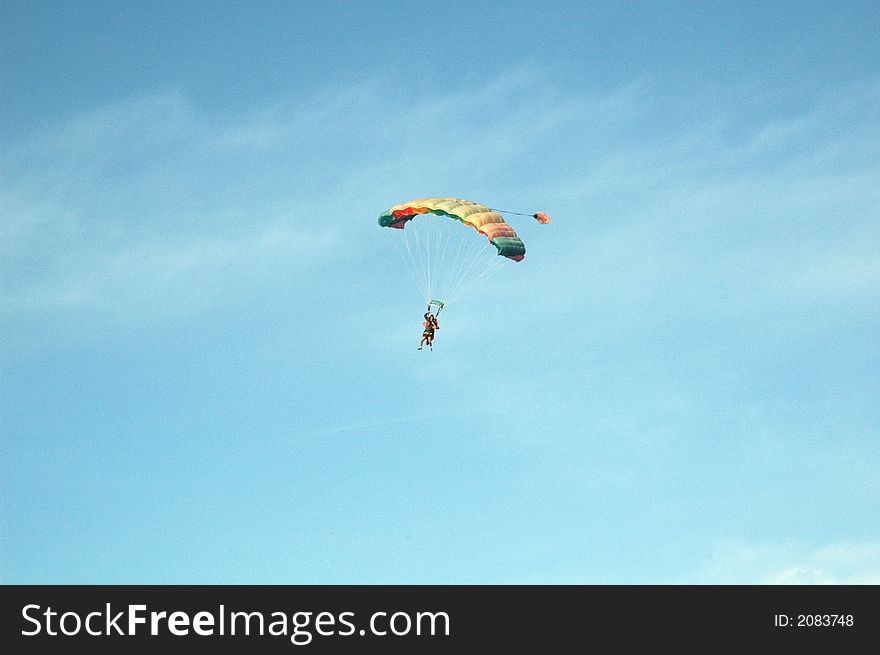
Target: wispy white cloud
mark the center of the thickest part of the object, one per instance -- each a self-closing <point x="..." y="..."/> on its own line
<point x="782" y="212"/>
<point x="148" y="190"/>
<point x="140" y="198"/>
<point x="180" y="273"/>
<point x="843" y="562"/>
<point x="131" y="204"/>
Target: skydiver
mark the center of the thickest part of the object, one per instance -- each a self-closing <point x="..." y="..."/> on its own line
<point x="430" y="324"/>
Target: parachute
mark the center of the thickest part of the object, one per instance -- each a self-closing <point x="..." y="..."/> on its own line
<point x="448" y="243"/>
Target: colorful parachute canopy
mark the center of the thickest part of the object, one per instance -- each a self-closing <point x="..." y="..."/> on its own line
<point x="484" y="220"/>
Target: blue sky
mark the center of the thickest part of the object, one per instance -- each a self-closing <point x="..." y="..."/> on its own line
<point x="209" y="371"/>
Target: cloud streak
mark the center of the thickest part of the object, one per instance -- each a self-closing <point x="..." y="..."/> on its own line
<point x="839" y="563"/>
<point x="151" y="194"/>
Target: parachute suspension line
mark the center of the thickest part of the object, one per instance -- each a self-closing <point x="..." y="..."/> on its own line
<point x="437" y="239"/>
<point x="424" y="244"/>
<point x="470" y="260"/>
<point x="413" y="261"/>
<point x="473" y="264"/>
<point x="434" y="239"/>
<point x="453" y="244"/>
<point x="504" y="211"/>
<point x="460" y="258"/>
<point x="437" y="245"/>
<point x="481" y="268"/>
<point x="430" y="241"/>
<point x="446" y="258"/>
<point x="426" y="248"/>
<point x="403" y="247"/>
<point x="489" y="269"/>
<point x="541" y="217"/>
<point x="441" y="268"/>
<point x="417" y="249"/>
